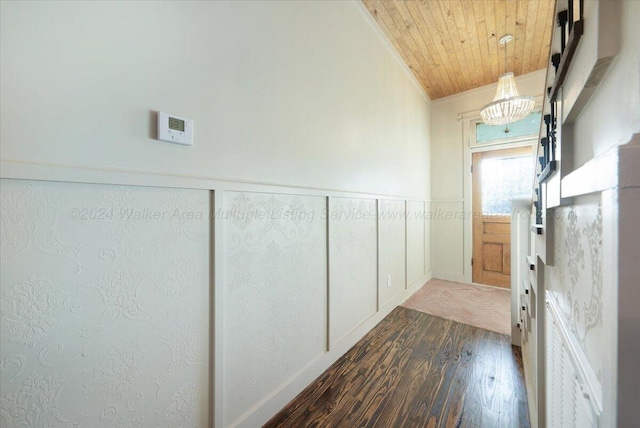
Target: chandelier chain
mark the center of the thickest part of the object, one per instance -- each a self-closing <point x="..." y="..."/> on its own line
<point x="505" y="57"/>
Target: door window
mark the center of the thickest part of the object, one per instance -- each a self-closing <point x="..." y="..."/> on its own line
<point x="504" y="179"/>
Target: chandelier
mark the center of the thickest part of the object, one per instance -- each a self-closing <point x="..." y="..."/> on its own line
<point x="507" y="106"/>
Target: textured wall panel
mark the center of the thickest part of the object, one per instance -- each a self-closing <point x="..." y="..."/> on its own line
<point x="576" y="279"/>
<point x="415" y="241"/>
<point x="275" y="293"/>
<point x="391" y="258"/>
<point x="353" y="256"/>
<point x="104" y="305"/>
<point x="570" y="402"/>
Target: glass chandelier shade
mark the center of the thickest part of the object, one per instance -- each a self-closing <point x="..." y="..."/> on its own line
<point x="507" y="106"/>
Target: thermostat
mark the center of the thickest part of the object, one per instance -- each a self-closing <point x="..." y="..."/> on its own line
<point x="175" y="129"/>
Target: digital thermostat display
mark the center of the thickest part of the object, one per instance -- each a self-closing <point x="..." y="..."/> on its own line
<point x="176" y="124"/>
<point x="175" y="129"/>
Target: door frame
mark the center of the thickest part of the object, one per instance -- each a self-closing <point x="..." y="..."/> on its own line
<point x="476" y="204"/>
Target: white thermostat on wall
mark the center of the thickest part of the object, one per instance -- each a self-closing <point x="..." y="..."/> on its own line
<point x="175" y="129"/>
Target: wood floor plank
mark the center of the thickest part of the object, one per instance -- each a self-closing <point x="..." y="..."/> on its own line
<point x="416" y="370"/>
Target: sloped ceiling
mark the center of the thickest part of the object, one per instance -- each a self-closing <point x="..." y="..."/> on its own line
<point x="452" y="45"/>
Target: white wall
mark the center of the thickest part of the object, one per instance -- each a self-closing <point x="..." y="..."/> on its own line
<point x="392" y="249"/>
<point x="102" y="323"/>
<point x="612" y="115"/>
<point x="293" y="93"/>
<point x="587" y="279"/>
<point x="575" y="279"/>
<point x="610" y="118"/>
<point x="415" y="240"/>
<point x="448" y="174"/>
<point x="353" y="263"/>
<point x="298" y="107"/>
<point x="275" y="295"/>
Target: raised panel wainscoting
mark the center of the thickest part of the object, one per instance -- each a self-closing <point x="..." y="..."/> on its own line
<point x="104" y="294"/>
<point x="207" y="305"/>
<point x="353" y="263"/>
<point x="275" y="293"/>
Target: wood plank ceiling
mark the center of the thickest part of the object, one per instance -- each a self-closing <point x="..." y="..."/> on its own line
<point x="452" y="45"/>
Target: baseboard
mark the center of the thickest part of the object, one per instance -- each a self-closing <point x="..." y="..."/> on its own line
<point x="531" y="396"/>
<point x="265" y="410"/>
<point x="449" y="276"/>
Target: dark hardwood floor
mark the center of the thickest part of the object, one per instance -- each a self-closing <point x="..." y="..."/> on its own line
<point x="417" y="370"/>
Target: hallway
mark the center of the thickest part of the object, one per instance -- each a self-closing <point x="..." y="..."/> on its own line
<point x="417" y="370"/>
<point x="223" y="214"/>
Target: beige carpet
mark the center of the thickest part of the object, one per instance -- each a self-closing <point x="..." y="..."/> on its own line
<point x="476" y="305"/>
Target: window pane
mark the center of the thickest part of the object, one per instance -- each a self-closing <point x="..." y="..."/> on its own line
<point x="528" y="126"/>
<point x="505" y="179"/>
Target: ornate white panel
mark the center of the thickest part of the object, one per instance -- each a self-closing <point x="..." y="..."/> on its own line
<point x="576" y="279"/>
<point x="353" y="261"/>
<point x="275" y="293"/>
<point x="571" y="398"/>
<point x="392" y="249"/>
<point x="415" y="241"/>
<point x="104" y="305"/>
